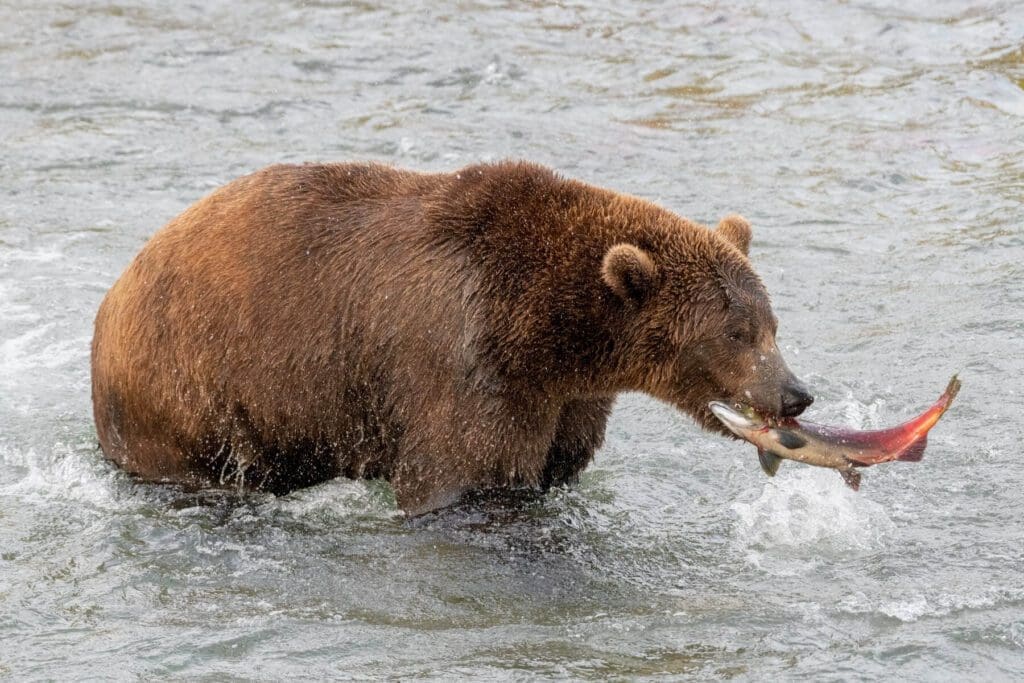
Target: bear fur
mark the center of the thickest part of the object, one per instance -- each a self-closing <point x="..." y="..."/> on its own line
<point x="448" y="332"/>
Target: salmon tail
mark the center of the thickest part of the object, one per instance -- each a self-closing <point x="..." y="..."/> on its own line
<point x="904" y="442"/>
<point x="919" y="427"/>
<point x="952" y="389"/>
<point x="915" y="451"/>
<point x="932" y="415"/>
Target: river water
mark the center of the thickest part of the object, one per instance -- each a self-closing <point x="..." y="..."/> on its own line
<point x="878" y="149"/>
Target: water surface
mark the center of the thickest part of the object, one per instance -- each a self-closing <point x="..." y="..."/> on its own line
<point x="877" y="148"/>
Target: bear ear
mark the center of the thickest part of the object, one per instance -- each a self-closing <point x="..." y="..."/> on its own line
<point x="629" y="272"/>
<point x="735" y="230"/>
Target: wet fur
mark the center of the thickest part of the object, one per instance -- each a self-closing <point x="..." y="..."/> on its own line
<point x="447" y="332"/>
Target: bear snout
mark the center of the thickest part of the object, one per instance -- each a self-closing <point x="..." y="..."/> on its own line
<point x="795" y="399"/>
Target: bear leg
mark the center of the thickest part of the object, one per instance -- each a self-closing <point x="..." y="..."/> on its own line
<point x="477" y="446"/>
<point x="579" y="433"/>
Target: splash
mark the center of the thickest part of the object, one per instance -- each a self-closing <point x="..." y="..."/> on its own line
<point x="807" y="514"/>
<point x="336" y="501"/>
<point x="65" y="474"/>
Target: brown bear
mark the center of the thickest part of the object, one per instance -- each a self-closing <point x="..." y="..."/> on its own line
<point x="448" y="332"/>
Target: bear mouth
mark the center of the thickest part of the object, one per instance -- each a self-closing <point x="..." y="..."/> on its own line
<point x="770" y="418"/>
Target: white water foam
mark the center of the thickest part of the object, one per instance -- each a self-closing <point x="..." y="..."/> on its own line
<point x="14" y="312"/>
<point x="336" y="499"/>
<point x="804" y="512"/>
<point x="23" y="353"/>
<point x="859" y="415"/>
<point x="65" y="473"/>
<point x="29" y="351"/>
<point x="52" y="251"/>
<point x="912" y="606"/>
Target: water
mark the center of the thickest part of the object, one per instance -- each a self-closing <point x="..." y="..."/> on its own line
<point x="878" y="152"/>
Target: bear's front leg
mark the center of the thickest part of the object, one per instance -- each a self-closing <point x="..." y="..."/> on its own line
<point x="471" y="446"/>
<point x="580" y="432"/>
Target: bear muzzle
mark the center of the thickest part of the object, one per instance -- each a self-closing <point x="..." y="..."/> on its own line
<point x="795" y="398"/>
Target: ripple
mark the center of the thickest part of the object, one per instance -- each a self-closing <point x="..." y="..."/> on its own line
<point x="933" y="602"/>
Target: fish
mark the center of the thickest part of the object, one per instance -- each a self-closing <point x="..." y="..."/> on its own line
<point x="839" y="448"/>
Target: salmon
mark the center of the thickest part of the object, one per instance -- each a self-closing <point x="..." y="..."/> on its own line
<point x="840" y="448"/>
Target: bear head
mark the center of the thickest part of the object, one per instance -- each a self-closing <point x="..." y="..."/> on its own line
<point x="696" y="323"/>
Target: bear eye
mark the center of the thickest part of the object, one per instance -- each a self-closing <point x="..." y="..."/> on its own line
<point x="739" y="336"/>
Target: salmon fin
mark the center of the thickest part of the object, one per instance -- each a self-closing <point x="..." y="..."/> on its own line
<point x="952" y="389"/>
<point x="790" y="440"/>
<point x="769" y="462"/>
<point x="915" y="451"/>
<point x="852" y="478"/>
